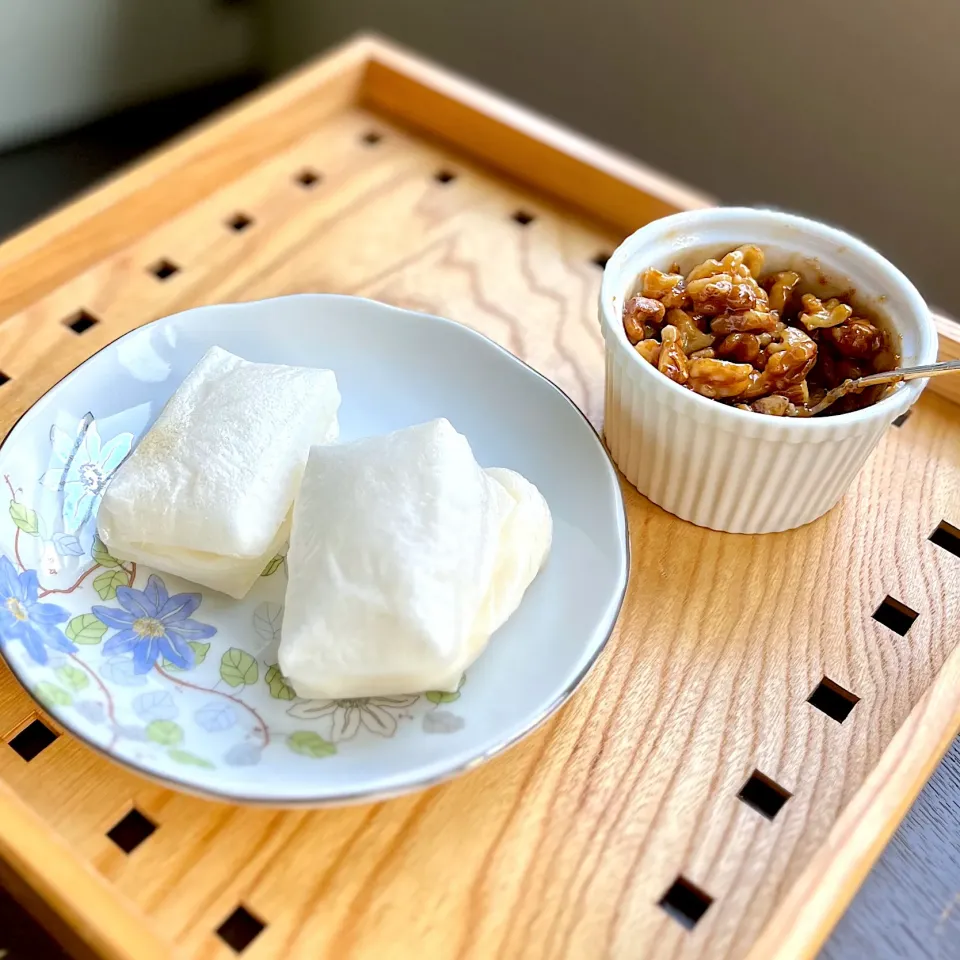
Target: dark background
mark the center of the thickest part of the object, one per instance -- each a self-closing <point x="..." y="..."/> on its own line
<point x="847" y="111"/>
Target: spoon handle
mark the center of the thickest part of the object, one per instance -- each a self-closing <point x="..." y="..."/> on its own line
<point x="909" y="373"/>
<point x="875" y="379"/>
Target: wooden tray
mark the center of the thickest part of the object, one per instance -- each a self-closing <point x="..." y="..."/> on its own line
<point x="373" y="173"/>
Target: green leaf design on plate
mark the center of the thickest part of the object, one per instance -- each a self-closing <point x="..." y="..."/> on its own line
<point x="237" y="668"/>
<point x="279" y="688"/>
<point x="73" y="677"/>
<point x="24" y="518"/>
<point x="440" y="696"/>
<point x="102" y="555"/>
<point x="50" y="695"/>
<point x="108" y="581"/>
<point x="200" y="651"/>
<point x="165" y="731"/>
<point x="190" y="759"/>
<point x="273" y="566"/>
<point x="85" y="629"/>
<point x="310" y="744"/>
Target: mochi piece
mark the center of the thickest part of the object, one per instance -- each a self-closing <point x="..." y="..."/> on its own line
<point x="405" y="555"/>
<point x="525" y="540"/>
<point x="207" y="493"/>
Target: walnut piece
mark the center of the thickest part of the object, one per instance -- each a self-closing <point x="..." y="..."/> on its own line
<point x="817" y="314"/>
<point x="744" y="322"/>
<point x="856" y="338"/>
<point x="798" y="393"/>
<point x="673" y="361"/>
<point x="740" y="347"/>
<point x="775" y="406"/>
<point x="722" y="293"/>
<point x="789" y="360"/>
<point x="781" y="287"/>
<point x="669" y="288"/>
<point x="738" y="263"/>
<point x="649" y="350"/>
<point x="638" y="313"/>
<point x="709" y="268"/>
<point x="719" y="379"/>
<point x="691" y="336"/>
<point x="753" y="258"/>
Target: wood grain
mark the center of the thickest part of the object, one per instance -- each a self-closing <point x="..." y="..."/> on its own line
<point x="562" y="847"/>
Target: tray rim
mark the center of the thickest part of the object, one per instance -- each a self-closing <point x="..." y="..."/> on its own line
<point x="76" y="904"/>
<point x="372" y="72"/>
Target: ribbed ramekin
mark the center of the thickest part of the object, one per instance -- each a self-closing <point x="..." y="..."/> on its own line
<point x="730" y="469"/>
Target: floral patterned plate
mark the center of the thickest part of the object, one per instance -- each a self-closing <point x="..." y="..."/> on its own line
<point x="182" y="683"/>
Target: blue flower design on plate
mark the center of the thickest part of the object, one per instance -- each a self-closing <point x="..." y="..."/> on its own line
<point x="85" y="466"/>
<point x="151" y="623"/>
<point x="24" y="618"/>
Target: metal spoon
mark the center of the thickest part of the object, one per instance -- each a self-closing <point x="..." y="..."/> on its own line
<point x="875" y="379"/>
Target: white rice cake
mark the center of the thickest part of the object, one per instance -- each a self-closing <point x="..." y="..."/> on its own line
<point x="405" y="556"/>
<point x="206" y="495"/>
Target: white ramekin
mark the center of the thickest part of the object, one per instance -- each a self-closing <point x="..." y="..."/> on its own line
<point x="731" y="469"/>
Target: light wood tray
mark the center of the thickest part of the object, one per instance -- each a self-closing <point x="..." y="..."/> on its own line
<point x="565" y="846"/>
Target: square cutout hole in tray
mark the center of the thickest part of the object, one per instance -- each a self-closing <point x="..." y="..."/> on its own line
<point x="895" y="615"/>
<point x="81" y="321"/>
<point x="947" y="536"/>
<point x="164" y="269"/>
<point x="686" y="902"/>
<point x="833" y="700"/>
<point x="764" y="795"/>
<point x="240" y="929"/>
<point x="239" y="222"/>
<point x="308" y="178"/>
<point x="129" y="832"/>
<point x="33" y="739"/>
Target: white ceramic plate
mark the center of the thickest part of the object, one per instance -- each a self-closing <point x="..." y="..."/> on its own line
<point x="229" y="726"/>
